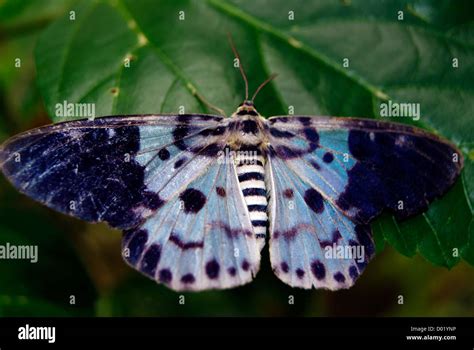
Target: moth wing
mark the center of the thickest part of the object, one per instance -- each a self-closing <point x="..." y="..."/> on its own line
<point x="111" y="169"/>
<point x="312" y="243"/>
<point x="363" y="166"/>
<point x="328" y="177"/>
<point x="201" y="239"/>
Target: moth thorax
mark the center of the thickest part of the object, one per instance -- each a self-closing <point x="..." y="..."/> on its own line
<point x="250" y="130"/>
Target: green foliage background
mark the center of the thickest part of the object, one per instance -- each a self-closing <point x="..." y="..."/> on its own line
<point x="82" y="60"/>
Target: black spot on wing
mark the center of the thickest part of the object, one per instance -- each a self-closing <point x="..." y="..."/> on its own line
<point x="305" y="121"/>
<point x="208" y="150"/>
<point x="245" y="265"/>
<point x="314" y="200"/>
<point x="281" y="133"/>
<point x="135" y="246"/>
<point x="179" y="163"/>
<point x="318" y="270"/>
<point x="285" y="152"/>
<point x="150" y="260"/>
<point x="193" y="200"/>
<point x="274" y="120"/>
<point x="179" y="133"/>
<point x="165" y="276"/>
<point x="212" y="150"/>
<point x="328" y="157"/>
<point x="220" y="191"/>
<point x="212" y="269"/>
<point x="311" y="135"/>
<point x="288" y="193"/>
<point x="163" y="154"/>
<point x="300" y="273"/>
<point x="315" y="165"/>
<point x="188" y="278"/>
<point x="339" y="277"/>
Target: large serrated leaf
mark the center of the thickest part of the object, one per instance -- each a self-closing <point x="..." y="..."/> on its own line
<point x="404" y="51"/>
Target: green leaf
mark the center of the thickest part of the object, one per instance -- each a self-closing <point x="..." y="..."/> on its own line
<point x="20" y="25"/>
<point x="403" y="51"/>
<point x="47" y="284"/>
<point x="18" y="17"/>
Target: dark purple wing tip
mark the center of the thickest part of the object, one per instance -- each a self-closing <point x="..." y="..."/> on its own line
<point x="58" y="166"/>
<point x="398" y="167"/>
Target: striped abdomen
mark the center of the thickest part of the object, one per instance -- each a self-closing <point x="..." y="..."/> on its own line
<point x="250" y="171"/>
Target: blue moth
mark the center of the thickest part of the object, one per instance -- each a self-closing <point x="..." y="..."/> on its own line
<point x="196" y="195"/>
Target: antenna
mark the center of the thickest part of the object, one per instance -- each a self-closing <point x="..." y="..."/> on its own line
<point x="269" y="79"/>
<point x="241" y="68"/>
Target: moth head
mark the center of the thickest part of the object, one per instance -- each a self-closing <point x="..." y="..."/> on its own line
<point x="247" y="103"/>
<point x="246" y="108"/>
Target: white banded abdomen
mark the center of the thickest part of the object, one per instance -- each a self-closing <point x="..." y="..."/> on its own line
<point x="250" y="172"/>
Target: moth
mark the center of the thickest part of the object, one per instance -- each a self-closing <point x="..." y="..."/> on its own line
<point x="196" y="194"/>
